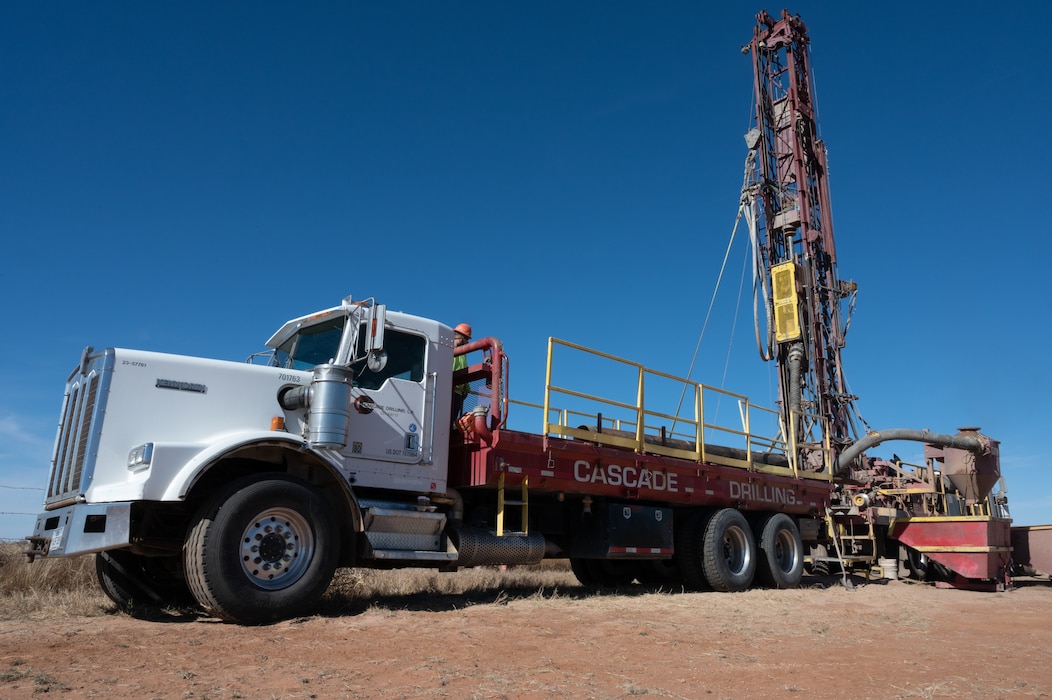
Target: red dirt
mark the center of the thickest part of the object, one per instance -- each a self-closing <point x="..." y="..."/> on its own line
<point x="896" y="640"/>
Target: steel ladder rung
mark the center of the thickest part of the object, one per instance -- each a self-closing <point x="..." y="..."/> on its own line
<point x="502" y="502"/>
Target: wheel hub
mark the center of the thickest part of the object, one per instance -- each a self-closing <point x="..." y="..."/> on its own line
<point x="785" y="551"/>
<point x="272" y="548"/>
<point x="276" y="548"/>
<point x="735" y="550"/>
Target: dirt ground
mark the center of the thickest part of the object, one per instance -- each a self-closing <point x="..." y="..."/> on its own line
<point x="897" y="640"/>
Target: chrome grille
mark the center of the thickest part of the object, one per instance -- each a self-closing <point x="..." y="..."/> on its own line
<point x="73" y="460"/>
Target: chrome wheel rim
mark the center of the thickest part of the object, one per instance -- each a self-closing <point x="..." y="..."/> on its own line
<point x="276" y="548"/>
<point x="785" y="551"/>
<point x="736" y="550"/>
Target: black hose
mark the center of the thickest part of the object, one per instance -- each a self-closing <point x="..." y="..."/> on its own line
<point x="961" y="442"/>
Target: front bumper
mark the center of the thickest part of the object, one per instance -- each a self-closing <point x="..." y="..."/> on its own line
<point x="80" y="529"/>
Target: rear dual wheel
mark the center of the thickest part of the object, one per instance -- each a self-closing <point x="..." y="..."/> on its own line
<point x="689" y="550"/>
<point x="716" y="551"/>
<point x="595" y="573"/>
<point x="729" y="550"/>
<point x="781" y="560"/>
<point x="719" y="551"/>
<point x="660" y="573"/>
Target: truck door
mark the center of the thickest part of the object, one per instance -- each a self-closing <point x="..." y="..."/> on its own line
<point x="389" y="412"/>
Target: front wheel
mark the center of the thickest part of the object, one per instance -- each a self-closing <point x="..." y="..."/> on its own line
<point x="138" y="584"/>
<point x="262" y="550"/>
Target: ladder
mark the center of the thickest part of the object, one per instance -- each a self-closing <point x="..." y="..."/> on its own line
<point x="524" y="503"/>
<point x="854" y="545"/>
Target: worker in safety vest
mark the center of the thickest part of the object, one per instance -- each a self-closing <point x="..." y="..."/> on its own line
<point x="461" y="335"/>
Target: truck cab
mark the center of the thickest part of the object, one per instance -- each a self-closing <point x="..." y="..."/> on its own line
<point x="246" y="484"/>
<point x="398" y="394"/>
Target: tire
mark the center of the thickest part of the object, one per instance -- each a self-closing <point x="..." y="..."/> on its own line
<point x="616" y="572"/>
<point x="660" y="573"/>
<point x="730" y="552"/>
<point x="690" y="556"/>
<point x="138" y="584"/>
<point x="820" y="567"/>
<point x="595" y="573"/>
<point x="262" y="550"/>
<point x="940" y="572"/>
<point x="916" y="564"/>
<point x="584" y="572"/>
<point x="781" y="559"/>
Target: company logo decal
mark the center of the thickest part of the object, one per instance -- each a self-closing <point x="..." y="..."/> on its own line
<point x="364" y="405"/>
<point x="630" y="476"/>
<point x="181" y="386"/>
<point x="761" y="492"/>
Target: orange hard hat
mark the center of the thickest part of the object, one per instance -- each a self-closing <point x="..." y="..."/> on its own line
<point x="464" y="329"/>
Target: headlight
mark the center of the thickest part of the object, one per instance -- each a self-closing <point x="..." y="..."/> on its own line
<point x="140" y="457"/>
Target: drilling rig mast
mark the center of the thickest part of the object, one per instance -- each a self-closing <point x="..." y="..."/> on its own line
<point x="787" y="194"/>
<point x="880" y="508"/>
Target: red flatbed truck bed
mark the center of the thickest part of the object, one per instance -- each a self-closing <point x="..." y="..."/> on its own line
<point x="582" y="468"/>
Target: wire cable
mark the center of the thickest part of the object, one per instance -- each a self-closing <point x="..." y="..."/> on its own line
<point x="759" y="285"/>
<point x="745" y="206"/>
<point x="708" y="312"/>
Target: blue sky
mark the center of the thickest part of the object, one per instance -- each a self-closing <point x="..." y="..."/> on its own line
<point x="185" y="177"/>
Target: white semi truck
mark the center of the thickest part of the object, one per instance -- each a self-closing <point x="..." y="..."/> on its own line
<point x="243" y="486"/>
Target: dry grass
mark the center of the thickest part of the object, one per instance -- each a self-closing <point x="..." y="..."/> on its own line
<point x="42" y="682"/>
<point x="366" y="583"/>
<point x="355" y="590"/>
<point x="68" y="588"/>
<point x="55" y="588"/>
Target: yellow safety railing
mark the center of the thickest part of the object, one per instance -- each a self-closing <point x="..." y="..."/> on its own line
<point x="643" y="428"/>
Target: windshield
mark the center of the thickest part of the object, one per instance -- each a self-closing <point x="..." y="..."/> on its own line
<point x="314" y="345"/>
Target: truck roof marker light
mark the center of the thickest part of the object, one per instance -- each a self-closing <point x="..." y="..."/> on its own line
<point x="277" y="423"/>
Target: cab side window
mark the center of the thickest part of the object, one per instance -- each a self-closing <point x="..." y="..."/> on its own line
<point x="405" y="359"/>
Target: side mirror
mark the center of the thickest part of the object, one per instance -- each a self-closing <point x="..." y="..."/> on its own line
<point x="376" y="360"/>
<point x="375" y="328"/>
<point x="375" y="320"/>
